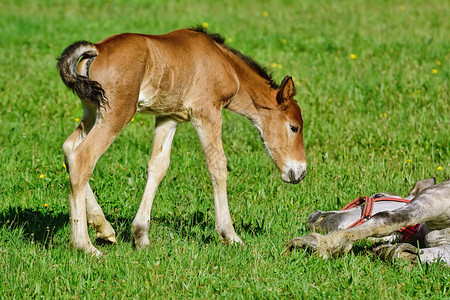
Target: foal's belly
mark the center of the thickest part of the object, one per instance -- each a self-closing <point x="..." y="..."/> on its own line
<point x="161" y="104"/>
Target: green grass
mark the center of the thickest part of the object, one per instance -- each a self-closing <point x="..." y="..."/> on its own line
<point x="379" y="122"/>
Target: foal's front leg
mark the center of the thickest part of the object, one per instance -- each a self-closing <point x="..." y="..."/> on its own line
<point x="210" y="133"/>
<point x="157" y="167"/>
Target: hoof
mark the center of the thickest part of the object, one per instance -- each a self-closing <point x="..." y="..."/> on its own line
<point x="405" y="252"/>
<point x="88" y="249"/>
<point x="105" y="233"/>
<point x="228" y="235"/>
<point x="308" y="242"/>
<point x="233" y="241"/>
<point x="95" y="252"/>
<point x="142" y="243"/>
<point x="140" y="233"/>
<point x="106" y="240"/>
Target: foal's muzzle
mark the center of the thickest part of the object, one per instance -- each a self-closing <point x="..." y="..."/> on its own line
<point x="294" y="172"/>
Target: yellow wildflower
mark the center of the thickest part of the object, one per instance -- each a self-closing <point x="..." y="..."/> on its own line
<point x="434" y="71"/>
<point x="45" y="205"/>
<point x="41" y="176"/>
<point x="274" y="65"/>
<point x="64" y="165"/>
<point x="329" y="99"/>
<point x="77" y="120"/>
<point x="408" y="161"/>
<point x="352" y="56"/>
<point x="439" y="168"/>
<point x="205" y="25"/>
<point x="284" y="41"/>
<point x="438" y="63"/>
<point x="265" y="14"/>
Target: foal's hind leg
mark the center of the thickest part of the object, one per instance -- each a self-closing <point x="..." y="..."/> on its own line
<point x="95" y="216"/>
<point x="81" y="164"/>
<point x="157" y="167"/>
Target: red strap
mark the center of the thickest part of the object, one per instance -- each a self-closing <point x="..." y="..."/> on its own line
<point x="408" y="231"/>
<point x="360" y="200"/>
<point x="357" y="202"/>
<point x="368" y="208"/>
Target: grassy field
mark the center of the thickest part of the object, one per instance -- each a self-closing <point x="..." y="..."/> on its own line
<point x="373" y="85"/>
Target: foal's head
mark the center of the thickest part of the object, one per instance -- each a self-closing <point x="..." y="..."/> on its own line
<point x="282" y="131"/>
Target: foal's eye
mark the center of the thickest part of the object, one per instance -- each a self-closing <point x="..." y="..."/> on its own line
<point x="294" y="129"/>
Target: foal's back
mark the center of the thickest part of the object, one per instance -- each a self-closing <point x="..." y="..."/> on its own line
<point x="166" y="74"/>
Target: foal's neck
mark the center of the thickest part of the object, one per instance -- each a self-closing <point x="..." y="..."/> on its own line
<point x="255" y="94"/>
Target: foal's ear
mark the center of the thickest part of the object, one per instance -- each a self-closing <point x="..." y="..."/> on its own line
<point x="286" y="92"/>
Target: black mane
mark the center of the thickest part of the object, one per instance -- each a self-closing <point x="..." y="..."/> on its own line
<point x="248" y="60"/>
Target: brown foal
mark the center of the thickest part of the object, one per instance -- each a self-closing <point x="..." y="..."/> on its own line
<point x="185" y="75"/>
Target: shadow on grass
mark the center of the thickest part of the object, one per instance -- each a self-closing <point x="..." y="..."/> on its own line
<point x="253" y="228"/>
<point x="41" y="225"/>
<point x="197" y="225"/>
<point x="37" y="225"/>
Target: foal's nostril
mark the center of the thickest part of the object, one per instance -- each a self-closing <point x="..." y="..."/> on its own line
<point x="302" y="176"/>
<point x="291" y="175"/>
<point x="294" y="172"/>
<point x="293" y="179"/>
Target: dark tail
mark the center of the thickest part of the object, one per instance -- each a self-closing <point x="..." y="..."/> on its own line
<point x="85" y="88"/>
